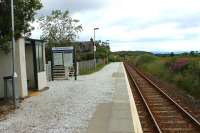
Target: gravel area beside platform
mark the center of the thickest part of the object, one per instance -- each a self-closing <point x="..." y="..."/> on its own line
<point x="66" y="107"/>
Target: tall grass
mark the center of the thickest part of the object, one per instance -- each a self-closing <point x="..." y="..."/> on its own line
<point x="184" y="73"/>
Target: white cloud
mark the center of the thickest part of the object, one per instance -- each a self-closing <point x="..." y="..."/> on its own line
<point x="140" y="24"/>
<point x="158" y="46"/>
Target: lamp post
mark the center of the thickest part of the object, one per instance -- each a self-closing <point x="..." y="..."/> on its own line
<point x="107" y="42"/>
<point x="75" y="63"/>
<point x="14" y="75"/>
<point x="95" y="46"/>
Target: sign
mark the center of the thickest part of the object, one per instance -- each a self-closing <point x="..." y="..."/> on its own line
<point x="62" y="49"/>
<point x="58" y="58"/>
<point x="63" y="56"/>
<point x="95" y="48"/>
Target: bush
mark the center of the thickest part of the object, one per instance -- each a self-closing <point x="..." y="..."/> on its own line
<point x="144" y="59"/>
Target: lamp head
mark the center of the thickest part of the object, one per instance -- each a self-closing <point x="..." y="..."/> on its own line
<point x="96" y="28"/>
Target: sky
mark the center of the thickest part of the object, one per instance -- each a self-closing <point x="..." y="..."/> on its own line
<point x="148" y="25"/>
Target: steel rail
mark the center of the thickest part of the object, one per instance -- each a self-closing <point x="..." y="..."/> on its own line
<point x="194" y="120"/>
<point x="143" y="99"/>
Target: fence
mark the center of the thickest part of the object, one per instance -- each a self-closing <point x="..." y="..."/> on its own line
<point x="102" y="61"/>
<point x="86" y="65"/>
<point x="89" y="64"/>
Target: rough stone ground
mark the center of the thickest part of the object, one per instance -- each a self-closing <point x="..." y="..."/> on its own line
<point x="5" y="108"/>
<point x="65" y="108"/>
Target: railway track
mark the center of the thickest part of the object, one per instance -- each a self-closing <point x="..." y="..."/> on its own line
<point x="157" y="111"/>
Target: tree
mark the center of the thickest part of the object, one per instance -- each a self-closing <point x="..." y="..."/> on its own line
<point x="24" y="12"/>
<point x="103" y="50"/>
<point x="59" y="27"/>
<point x="192" y="53"/>
<point x="172" y="54"/>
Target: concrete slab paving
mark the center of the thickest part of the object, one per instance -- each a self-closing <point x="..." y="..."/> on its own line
<point x="114" y="117"/>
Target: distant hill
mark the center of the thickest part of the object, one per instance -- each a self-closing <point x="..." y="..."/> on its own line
<point x="122" y="55"/>
<point x="131" y="53"/>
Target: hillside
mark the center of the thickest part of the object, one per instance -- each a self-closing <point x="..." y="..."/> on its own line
<point x="122" y="55"/>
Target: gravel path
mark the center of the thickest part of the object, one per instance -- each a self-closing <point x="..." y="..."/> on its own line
<point x="66" y="107"/>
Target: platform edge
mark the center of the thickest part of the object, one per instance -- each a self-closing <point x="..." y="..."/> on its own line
<point x="134" y="113"/>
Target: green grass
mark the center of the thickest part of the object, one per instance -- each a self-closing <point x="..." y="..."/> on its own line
<point x="87" y="71"/>
<point x="186" y="78"/>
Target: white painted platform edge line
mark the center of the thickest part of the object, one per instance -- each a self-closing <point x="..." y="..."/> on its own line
<point x="135" y="117"/>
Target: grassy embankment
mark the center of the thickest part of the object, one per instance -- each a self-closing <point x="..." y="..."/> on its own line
<point x="184" y="72"/>
<point x="90" y="71"/>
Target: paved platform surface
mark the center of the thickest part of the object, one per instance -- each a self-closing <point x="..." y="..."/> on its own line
<point x="114" y="117"/>
<point x="96" y="103"/>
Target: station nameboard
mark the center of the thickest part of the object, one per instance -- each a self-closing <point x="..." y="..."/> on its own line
<point x="62" y="49"/>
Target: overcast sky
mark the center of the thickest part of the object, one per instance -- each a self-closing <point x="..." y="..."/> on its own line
<point x="151" y="25"/>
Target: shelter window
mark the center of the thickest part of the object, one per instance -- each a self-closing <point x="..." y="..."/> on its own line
<point x="39" y="56"/>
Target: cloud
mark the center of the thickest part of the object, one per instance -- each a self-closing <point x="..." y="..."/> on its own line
<point x="72" y="5"/>
<point x="136" y="24"/>
<point x="166" y="46"/>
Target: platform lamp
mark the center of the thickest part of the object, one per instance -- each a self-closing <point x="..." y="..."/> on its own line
<point x="95" y="46"/>
<point x="14" y="75"/>
<point x="107" y="42"/>
<point x="75" y="62"/>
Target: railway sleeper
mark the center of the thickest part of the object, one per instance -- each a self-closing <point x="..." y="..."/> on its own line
<point x="179" y="130"/>
<point x="173" y="125"/>
<point x="162" y="108"/>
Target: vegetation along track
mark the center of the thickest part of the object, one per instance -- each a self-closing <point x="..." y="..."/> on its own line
<point x="157" y="111"/>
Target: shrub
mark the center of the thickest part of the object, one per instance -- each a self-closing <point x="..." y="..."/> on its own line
<point x="144" y="59"/>
<point x="179" y="64"/>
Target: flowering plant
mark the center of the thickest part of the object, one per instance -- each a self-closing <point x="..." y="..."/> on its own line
<point x="179" y="64"/>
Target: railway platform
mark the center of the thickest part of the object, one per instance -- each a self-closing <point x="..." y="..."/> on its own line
<point x="101" y="102"/>
<point x="120" y="115"/>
